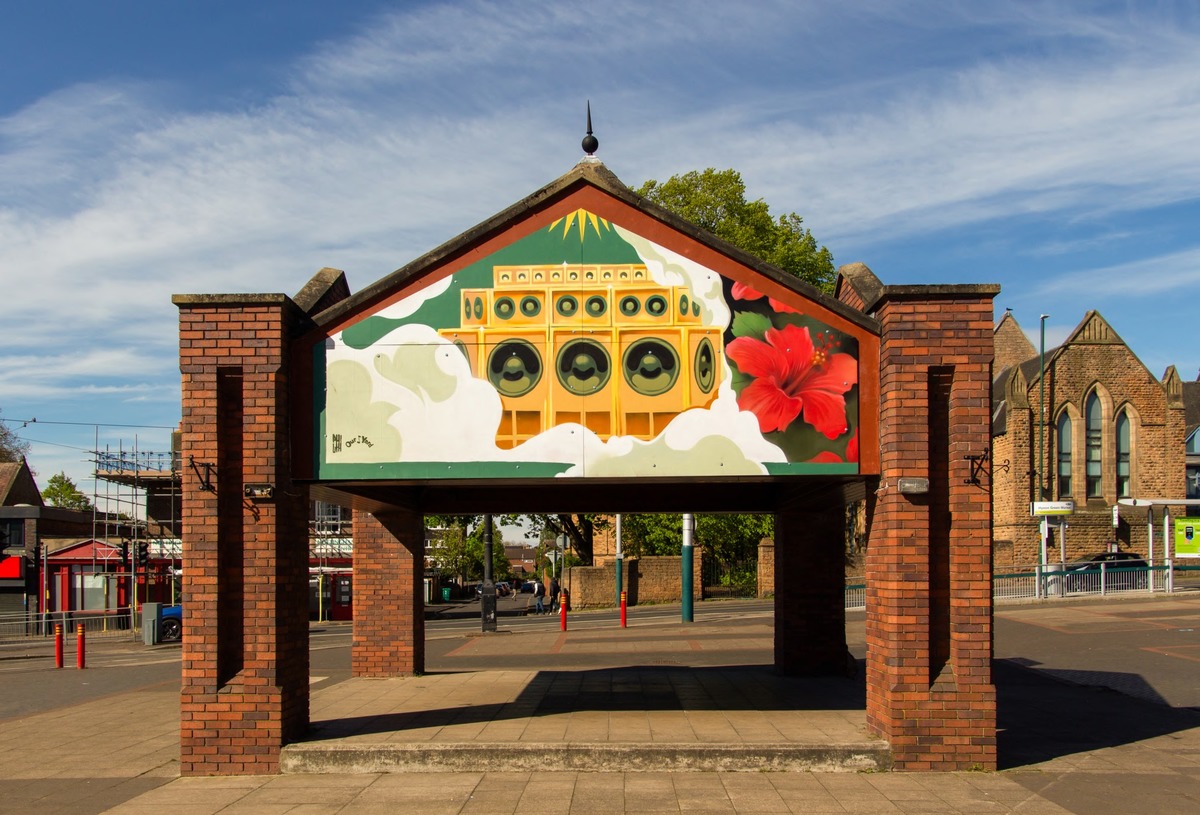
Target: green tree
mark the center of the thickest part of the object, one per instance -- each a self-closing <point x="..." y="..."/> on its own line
<point x="459" y="552"/>
<point x="12" y="447"/>
<point x="501" y="567"/>
<point x="61" y="491"/>
<point x="725" y="537"/>
<point x="716" y="200"/>
<point x="581" y="530"/>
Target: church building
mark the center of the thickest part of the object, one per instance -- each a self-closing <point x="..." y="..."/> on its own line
<point x="1097" y="427"/>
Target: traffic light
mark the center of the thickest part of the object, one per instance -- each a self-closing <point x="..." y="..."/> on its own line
<point x="125" y="555"/>
<point x="143" y="553"/>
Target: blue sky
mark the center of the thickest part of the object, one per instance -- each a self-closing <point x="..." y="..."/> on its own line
<point x="151" y="148"/>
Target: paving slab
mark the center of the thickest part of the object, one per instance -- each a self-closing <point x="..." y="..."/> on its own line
<point x="1065" y="747"/>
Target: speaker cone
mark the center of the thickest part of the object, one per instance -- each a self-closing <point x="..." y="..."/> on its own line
<point x="596" y="306"/>
<point x="651" y="366"/>
<point x="531" y="306"/>
<point x="514" y="367"/>
<point x="706" y="365"/>
<point x="504" y="308"/>
<point x="583" y="367"/>
<point x="567" y="305"/>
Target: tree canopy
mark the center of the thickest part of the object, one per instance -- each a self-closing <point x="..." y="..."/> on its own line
<point x="460" y="550"/>
<point x="716" y="200"/>
<point x="12" y="447"/>
<point x="725" y="537"/>
<point x="61" y="491"/>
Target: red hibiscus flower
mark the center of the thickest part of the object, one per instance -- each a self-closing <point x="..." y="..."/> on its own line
<point x="741" y="291"/>
<point x="792" y="377"/>
<point x="826" y="457"/>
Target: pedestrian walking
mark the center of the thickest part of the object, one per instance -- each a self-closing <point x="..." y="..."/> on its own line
<point x="539" y="596"/>
<point x="554" y="590"/>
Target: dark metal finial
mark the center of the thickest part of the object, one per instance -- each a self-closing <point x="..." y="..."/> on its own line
<point x="590" y="143"/>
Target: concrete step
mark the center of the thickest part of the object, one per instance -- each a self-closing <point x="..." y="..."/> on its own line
<point x="316" y="757"/>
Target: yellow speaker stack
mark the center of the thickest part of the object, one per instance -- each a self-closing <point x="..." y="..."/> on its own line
<point x="600" y="345"/>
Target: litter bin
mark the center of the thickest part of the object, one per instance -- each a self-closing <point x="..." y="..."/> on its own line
<point x="445" y="594"/>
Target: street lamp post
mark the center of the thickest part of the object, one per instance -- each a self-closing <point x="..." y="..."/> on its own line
<point x="620" y="577"/>
<point x="1041" y="486"/>
<point x="487" y="599"/>
<point x="687" y="560"/>
<point x="1041" y="465"/>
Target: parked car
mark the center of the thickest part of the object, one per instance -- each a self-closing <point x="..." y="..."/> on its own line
<point x="1122" y="571"/>
<point x="170" y="626"/>
<point x="502" y="589"/>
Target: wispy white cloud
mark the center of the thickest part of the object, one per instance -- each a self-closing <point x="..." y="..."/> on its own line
<point x="1177" y="273"/>
<point x="874" y="124"/>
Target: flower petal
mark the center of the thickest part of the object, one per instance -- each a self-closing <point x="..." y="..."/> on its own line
<point x="826" y="412"/>
<point x="774" y="408"/>
<point x="825" y="457"/>
<point x="755" y="357"/>
<point x="795" y="348"/>
<point x="741" y="291"/>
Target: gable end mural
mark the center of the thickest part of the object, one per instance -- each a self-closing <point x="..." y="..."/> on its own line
<point x="586" y="350"/>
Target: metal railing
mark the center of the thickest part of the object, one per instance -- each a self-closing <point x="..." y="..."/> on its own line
<point x="118" y="623"/>
<point x="856" y="593"/>
<point x="1056" y="582"/>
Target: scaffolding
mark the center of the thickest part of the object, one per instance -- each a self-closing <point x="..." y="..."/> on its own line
<point x="142" y="493"/>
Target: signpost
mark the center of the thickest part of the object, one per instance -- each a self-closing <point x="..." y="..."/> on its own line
<point x="1051" y="509"/>
<point x="1040" y="509"/>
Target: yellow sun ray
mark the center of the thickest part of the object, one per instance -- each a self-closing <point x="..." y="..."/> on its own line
<point x="580" y="218"/>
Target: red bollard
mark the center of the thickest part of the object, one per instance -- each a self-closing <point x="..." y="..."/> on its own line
<point x="58" y="646"/>
<point x="79" y="647"/>
<point x="562" y="612"/>
<point x="624" y="597"/>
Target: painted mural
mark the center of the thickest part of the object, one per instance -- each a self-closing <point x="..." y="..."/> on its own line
<point x="584" y="350"/>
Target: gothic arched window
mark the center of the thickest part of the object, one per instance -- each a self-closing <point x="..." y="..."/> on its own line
<point x="1064" y="456"/>
<point x="1094" y="441"/>
<point x="1123" y="485"/>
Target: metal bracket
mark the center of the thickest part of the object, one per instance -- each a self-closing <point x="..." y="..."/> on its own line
<point x="977" y="467"/>
<point x="205" y="477"/>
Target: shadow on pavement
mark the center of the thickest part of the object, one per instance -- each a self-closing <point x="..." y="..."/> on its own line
<point x="648" y="688"/>
<point x="1041" y="718"/>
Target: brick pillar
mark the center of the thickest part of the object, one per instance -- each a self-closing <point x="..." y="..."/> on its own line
<point x="389" y="604"/>
<point x="929" y="568"/>
<point x="245" y="559"/>
<point x="810" y="603"/>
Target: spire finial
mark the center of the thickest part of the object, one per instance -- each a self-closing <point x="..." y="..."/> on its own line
<point x="590" y="143"/>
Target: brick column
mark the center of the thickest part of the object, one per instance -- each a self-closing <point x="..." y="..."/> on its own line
<point x="245" y="559"/>
<point x="929" y="568"/>
<point x="810" y="604"/>
<point x="389" y="605"/>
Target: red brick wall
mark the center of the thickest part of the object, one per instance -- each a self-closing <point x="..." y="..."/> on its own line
<point x="934" y="719"/>
<point x="245" y="648"/>
<point x="389" y="611"/>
